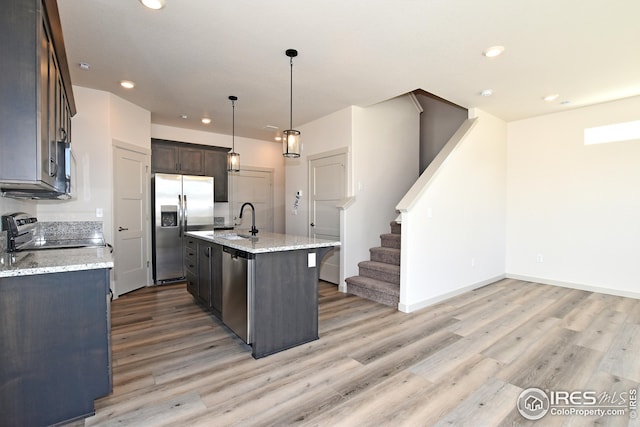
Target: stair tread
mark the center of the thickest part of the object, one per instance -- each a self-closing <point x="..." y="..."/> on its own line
<point x="380" y="266"/>
<point x="390" y="236"/>
<point x="374" y="284"/>
<point x="385" y="249"/>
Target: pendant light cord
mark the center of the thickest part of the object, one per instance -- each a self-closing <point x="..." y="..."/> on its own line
<point x="291" y="99"/>
<point x="233" y="126"/>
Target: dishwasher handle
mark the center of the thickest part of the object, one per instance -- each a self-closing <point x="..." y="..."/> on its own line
<point x="237" y="253"/>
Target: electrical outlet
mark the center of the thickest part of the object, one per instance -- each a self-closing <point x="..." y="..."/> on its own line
<point x="540" y="258"/>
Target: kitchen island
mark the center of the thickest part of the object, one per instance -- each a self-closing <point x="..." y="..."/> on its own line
<point x="55" y="334"/>
<point x="263" y="287"/>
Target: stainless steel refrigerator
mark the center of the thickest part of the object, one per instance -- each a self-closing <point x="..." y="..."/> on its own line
<point x="180" y="203"/>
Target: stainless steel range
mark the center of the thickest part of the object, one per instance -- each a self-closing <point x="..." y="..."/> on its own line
<point x="25" y="233"/>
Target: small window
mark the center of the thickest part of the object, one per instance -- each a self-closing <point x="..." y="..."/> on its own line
<point x="612" y="133"/>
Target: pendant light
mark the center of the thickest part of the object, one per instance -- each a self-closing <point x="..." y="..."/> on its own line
<point x="291" y="137"/>
<point x="233" y="158"/>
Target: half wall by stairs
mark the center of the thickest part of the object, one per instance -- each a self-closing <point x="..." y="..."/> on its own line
<point x="379" y="278"/>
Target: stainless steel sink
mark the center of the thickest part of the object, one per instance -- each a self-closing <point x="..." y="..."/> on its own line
<point x="235" y="236"/>
<point x="232" y="237"/>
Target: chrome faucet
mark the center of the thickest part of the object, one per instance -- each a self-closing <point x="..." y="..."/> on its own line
<point x="253" y="230"/>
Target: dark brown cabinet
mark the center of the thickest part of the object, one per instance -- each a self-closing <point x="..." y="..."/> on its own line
<point x="55" y="353"/>
<point x="36" y="98"/>
<point x="164" y="157"/>
<point x="192" y="159"/>
<point x="191" y="265"/>
<point x="169" y="157"/>
<point x="206" y="285"/>
<point x="204" y="274"/>
<point x="215" y="165"/>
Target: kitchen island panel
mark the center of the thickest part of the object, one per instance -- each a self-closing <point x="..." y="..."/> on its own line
<point x="285" y="300"/>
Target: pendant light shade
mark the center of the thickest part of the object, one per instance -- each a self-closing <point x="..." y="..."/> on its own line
<point x="233" y="158"/>
<point x="291" y="137"/>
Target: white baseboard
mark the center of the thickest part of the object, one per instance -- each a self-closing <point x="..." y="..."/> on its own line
<point x="409" y="308"/>
<point x="580" y="286"/>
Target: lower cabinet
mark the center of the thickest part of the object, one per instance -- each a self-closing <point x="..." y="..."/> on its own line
<point x="54" y="346"/>
<point x="204" y="274"/>
<point x="191" y="265"/>
<point x="204" y="277"/>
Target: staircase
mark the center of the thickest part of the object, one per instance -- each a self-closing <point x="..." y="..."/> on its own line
<point x="379" y="278"/>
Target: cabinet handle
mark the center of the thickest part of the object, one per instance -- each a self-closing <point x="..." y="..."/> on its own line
<point x="63" y="135"/>
<point x="122" y="229"/>
<point x="312" y="224"/>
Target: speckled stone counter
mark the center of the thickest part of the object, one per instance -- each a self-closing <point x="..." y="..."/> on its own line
<point x="262" y="242"/>
<point x="54" y="261"/>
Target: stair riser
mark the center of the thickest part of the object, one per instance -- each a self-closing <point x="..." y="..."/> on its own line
<point x="380" y="275"/>
<point x="395" y="227"/>
<point x="390" y="242"/>
<point x="380" y="297"/>
<point x="385" y="257"/>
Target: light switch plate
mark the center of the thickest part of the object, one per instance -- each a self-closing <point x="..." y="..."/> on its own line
<point x="311" y="259"/>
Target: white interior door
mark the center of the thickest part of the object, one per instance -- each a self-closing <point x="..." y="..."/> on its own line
<point x="131" y="205"/>
<point x="254" y="186"/>
<point x="326" y="189"/>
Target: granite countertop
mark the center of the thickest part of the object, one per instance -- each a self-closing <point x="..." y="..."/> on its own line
<point x="54" y="261"/>
<point x="263" y="241"/>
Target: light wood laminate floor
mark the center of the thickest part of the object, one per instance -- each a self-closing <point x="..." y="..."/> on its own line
<point x="462" y="362"/>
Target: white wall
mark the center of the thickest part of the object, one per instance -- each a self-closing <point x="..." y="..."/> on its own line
<point x="326" y="134"/>
<point x="253" y="152"/>
<point x="101" y="118"/>
<point x="577" y="206"/>
<point x="383" y="141"/>
<point x="454" y="233"/>
<point x="386" y="144"/>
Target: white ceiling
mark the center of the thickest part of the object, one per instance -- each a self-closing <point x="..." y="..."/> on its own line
<point x="190" y="56"/>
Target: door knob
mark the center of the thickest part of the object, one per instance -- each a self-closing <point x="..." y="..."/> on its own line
<point x="122" y="229"/>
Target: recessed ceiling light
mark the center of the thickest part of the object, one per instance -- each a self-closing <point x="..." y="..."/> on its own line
<point x="278" y="138"/>
<point x="565" y="102"/>
<point x="487" y="92"/>
<point x="84" y="66"/>
<point x="183" y="116"/>
<point x="127" y="84"/>
<point x="551" y="97"/>
<point x="154" y="4"/>
<point x="493" y="51"/>
<point x="206" y="120"/>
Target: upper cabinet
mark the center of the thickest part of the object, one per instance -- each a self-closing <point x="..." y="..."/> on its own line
<point x="173" y="157"/>
<point x="192" y="159"/>
<point x="36" y="99"/>
<point x="215" y="165"/>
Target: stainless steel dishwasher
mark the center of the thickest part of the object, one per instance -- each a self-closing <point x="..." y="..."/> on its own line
<point x="237" y="281"/>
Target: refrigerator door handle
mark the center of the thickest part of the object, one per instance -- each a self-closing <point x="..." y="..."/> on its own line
<point x="179" y="216"/>
<point x="185" y="213"/>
